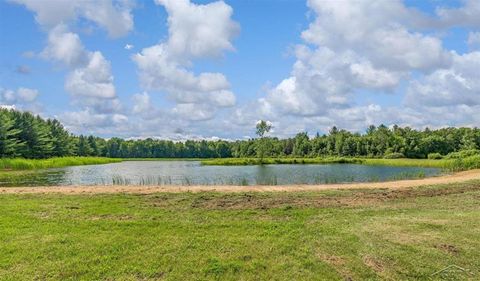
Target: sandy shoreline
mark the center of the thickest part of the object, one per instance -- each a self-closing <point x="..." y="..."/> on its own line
<point x="453" y="178"/>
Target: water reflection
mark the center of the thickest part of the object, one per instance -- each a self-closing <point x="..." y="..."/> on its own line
<point x="192" y="172"/>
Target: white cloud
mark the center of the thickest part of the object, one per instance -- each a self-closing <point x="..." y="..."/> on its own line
<point x="194" y="112"/>
<point x="195" y="31"/>
<point x="114" y="16"/>
<point x="368" y="77"/>
<point x="375" y="47"/>
<point x="8" y="107"/>
<point x="377" y="30"/>
<point x="27" y="95"/>
<point x="467" y="15"/>
<point x="474" y="40"/>
<point x="21" y="98"/>
<point x="199" y="31"/>
<point x="141" y="103"/>
<point x="21" y="95"/>
<point x="93" y="80"/>
<point x="353" y="45"/>
<point x="89" y="81"/>
<point x="458" y="85"/>
<point x="65" y="47"/>
<point x="128" y="46"/>
<point x="88" y="121"/>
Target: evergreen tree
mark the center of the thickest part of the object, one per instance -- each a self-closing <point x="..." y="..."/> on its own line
<point x="9" y="143"/>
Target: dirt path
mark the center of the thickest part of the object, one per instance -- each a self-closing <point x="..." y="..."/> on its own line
<point x="457" y="177"/>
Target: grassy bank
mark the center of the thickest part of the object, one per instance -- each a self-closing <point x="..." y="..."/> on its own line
<point x="31" y="164"/>
<point x="467" y="163"/>
<point x="165" y="159"/>
<point x="330" y="235"/>
<point x="267" y="161"/>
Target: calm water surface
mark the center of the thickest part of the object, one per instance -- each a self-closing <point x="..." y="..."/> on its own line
<point x="192" y="172"/>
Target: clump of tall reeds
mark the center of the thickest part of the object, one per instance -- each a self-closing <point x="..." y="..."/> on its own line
<point x="56" y="162"/>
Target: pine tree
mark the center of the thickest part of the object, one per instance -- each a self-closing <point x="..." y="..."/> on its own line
<point x="9" y="143"/>
<point x="62" y="144"/>
<point x="84" y="148"/>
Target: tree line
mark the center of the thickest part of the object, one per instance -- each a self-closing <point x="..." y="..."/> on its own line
<point x="23" y="134"/>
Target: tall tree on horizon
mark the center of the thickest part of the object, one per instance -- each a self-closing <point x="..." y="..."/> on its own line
<point x="263" y="127"/>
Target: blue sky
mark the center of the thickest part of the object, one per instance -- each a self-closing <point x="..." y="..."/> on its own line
<point x="303" y="65"/>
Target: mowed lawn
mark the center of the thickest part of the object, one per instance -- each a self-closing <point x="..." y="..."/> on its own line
<point x="329" y="235"/>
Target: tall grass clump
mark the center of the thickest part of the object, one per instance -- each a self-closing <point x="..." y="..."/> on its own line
<point x="463" y="164"/>
<point x="57" y="162"/>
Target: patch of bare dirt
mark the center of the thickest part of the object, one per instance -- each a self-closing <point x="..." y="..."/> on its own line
<point x="320" y="200"/>
<point x="338" y="263"/>
<point x="451" y="249"/>
<point x="375" y="264"/>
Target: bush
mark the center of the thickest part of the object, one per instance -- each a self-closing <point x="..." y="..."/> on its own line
<point x="394" y="155"/>
<point x="463" y="154"/>
<point x="435" y="155"/>
<point x="468" y="163"/>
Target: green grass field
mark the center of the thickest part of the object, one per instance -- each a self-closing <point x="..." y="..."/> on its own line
<point x="330" y="235"/>
<point x="56" y="162"/>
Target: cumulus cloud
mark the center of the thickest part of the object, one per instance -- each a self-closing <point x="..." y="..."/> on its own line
<point x="353" y="52"/>
<point x="88" y="121"/>
<point x="92" y="80"/>
<point x="474" y="40"/>
<point x="65" y="47"/>
<point x="198" y="31"/>
<point x="21" y="98"/>
<point x="112" y="15"/>
<point x="195" y="31"/>
<point x="89" y="80"/>
<point x="377" y="30"/>
<point x="467" y="15"/>
<point x="356" y="47"/>
<point x="22" y="95"/>
<point x="458" y="85"/>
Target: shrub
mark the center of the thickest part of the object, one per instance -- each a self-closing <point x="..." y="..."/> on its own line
<point x="468" y="163"/>
<point x="463" y="154"/>
<point x="435" y="155"/>
<point x="394" y="155"/>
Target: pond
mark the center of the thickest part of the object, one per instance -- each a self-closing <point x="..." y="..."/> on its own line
<point x="193" y="173"/>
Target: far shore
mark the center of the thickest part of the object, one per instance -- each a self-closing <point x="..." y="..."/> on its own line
<point x="464" y="176"/>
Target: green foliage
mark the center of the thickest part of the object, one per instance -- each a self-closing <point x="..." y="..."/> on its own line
<point x="264" y="161"/>
<point x="55" y="162"/>
<point x="435" y="155"/>
<point x="463" y="154"/>
<point x="9" y="142"/>
<point x="467" y="163"/>
<point x="394" y="155"/>
<point x="263" y="127"/>
<point x="24" y="135"/>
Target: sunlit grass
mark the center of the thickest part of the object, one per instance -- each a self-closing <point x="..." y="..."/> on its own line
<point x="373" y="234"/>
<point x="31" y="164"/>
<point x="461" y="164"/>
